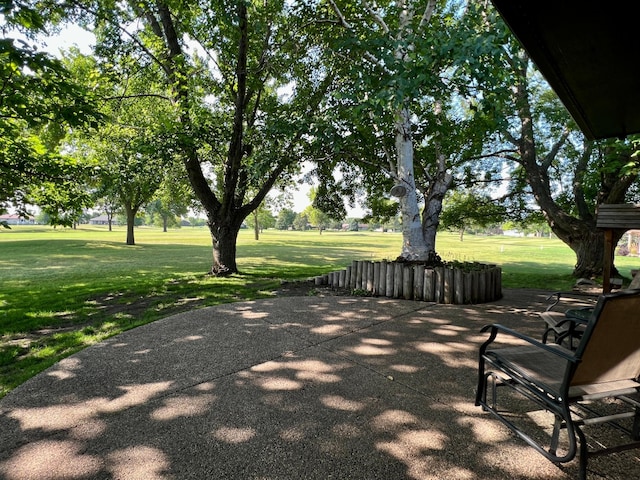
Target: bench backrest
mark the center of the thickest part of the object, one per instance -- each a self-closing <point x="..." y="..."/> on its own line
<point x="610" y="347"/>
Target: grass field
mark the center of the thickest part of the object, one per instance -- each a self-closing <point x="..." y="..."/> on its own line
<point x="64" y="289"/>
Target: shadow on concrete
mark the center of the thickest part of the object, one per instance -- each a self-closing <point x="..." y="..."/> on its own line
<point x="285" y="388"/>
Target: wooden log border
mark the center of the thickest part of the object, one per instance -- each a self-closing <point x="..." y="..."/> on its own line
<point x="456" y="284"/>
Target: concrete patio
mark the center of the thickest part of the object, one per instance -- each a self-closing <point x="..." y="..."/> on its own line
<point x="286" y="388"/>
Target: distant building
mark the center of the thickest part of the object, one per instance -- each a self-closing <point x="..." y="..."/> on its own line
<point x="102" y="220"/>
<point x="13" y="219"/>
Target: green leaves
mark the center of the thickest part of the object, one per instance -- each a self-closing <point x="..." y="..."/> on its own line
<point x="40" y="104"/>
<point x="23" y="16"/>
<point x="463" y="210"/>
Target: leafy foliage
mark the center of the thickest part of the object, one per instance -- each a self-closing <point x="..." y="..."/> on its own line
<point x="553" y="168"/>
<point x="427" y="78"/>
<point x="463" y="210"/>
<point x="244" y="80"/>
<point x="285" y="219"/>
<point x="40" y="105"/>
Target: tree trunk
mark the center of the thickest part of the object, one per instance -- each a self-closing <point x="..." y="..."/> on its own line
<point x="224" y="208"/>
<point x="131" y="220"/>
<point x="434" y="196"/>
<point x="589" y="249"/>
<point x="224" y="238"/>
<point x="588" y="244"/>
<point x="165" y="220"/>
<point x="414" y="246"/>
<point x="256" y="226"/>
<point x="579" y="233"/>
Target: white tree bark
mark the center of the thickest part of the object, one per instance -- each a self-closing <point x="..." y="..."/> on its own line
<point x="414" y="246"/>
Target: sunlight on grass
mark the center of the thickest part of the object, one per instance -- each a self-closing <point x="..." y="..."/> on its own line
<point x="87" y="284"/>
<point x="48" y="314"/>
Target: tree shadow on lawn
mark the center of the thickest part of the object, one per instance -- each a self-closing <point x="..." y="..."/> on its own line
<point x="307" y="387"/>
<point x="60" y="333"/>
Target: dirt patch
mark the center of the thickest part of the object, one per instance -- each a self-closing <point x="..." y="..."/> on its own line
<point x="308" y="288"/>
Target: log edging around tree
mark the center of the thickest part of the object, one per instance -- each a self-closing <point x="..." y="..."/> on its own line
<point x="459" y="283"/>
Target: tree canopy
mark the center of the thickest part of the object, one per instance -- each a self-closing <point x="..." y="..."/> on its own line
<point x="244" y="81"/>
<point x="40" y="104"/>
<point x="463" y="210"/>
<point x="553" y="168"/>
<point x="133" y="153"/>
<point x="409" y="111"/>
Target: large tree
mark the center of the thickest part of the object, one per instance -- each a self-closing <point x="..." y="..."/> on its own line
<point x="463" y="210"/>
<point x="171" y="201"/>
<point x="244" y="83"/>
<point x="408" y="113"/>
<point x="129" y="171"/>
<point x="262" y="218"/>
<point x="567" y="176"/>
<point x="131" y="153"/>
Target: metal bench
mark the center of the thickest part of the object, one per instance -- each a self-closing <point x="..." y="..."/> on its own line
<point x="572" y="385"/>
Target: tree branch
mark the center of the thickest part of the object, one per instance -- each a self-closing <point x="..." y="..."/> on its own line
<point x="376" y="165"/>
<point x="226" y="78"/>
<point x="140" y="95"/>
<point x="376" y="18"/>
<point x="263" y="65"/>
<point x="345" y="24"/>
<point x="511" y="139"/>
<point x="550" y="157"/>
<point x="578" y="178"/>
<point x="312" y="105"/>
<point x="235" y="151"/>
<point x="392" y="166"/>
<point x="428" y="13"/>
<point x="81" y="6"/>
<point x="499" y="153"/>
<point x="341" y="17"/>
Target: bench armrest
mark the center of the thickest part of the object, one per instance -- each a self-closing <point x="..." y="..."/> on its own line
<point x="556" y="297"/>
<point x="498" y="328"/>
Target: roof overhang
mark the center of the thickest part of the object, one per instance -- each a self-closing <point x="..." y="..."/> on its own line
<point x="588" y="52"/>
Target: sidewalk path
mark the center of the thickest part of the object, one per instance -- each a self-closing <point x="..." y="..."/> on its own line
<point x="285" y="388"/>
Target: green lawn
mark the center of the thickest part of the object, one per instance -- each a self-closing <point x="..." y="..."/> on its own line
<point x="63" y="289"/>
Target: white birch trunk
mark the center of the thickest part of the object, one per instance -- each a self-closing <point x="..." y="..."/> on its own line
<point x="414" y="246"/>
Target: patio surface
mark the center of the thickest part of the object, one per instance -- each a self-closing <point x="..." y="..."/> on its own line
<point x="326" y="387"/>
